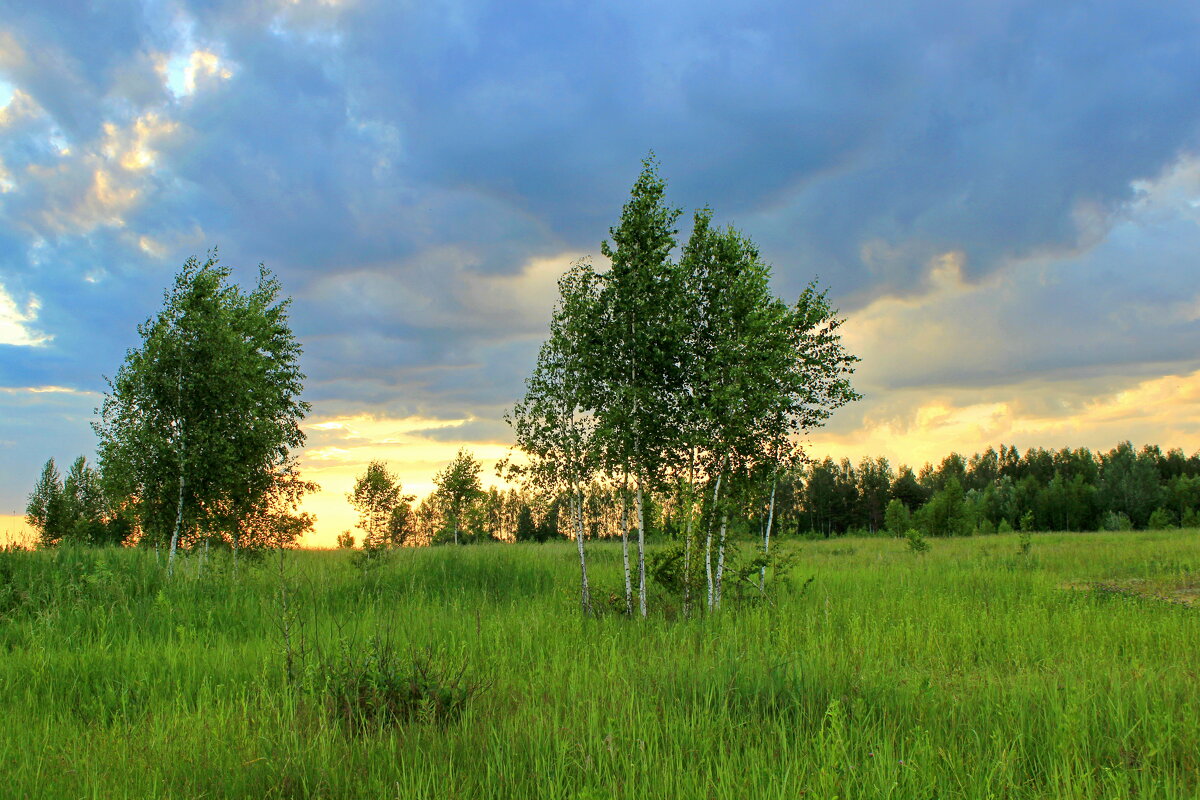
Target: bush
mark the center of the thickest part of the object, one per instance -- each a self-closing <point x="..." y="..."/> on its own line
<point x="1116" y="521"/>
<point x="1161" y="520"/>
<point x="1191" y="519"/>
<point x="1004" y="527"/>
<point x="374" y="686"/>
<point x="745" y="568"/>
<point x="916" y="541"/>
<point x="1024" y="543"/>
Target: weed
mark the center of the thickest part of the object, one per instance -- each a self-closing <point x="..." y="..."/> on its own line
<point x="374" y="685"/>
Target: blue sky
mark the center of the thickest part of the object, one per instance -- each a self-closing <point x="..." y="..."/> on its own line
<point x="1003" y="198"/>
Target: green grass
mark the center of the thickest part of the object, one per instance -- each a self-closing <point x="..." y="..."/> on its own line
<point x="967" y="672"/>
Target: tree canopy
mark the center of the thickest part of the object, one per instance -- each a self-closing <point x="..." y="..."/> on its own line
<point x="199" y="424"/>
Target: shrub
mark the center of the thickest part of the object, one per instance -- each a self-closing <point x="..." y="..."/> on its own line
<point x="372" y="685"/>
<point x="916" y="541"/>
<point x="745" y="571"/>
<point x="1004" y="527"/>
<point x="1116" y="521"/>
<point x="1161" y="519"/>
<point x="1024" y="543"/>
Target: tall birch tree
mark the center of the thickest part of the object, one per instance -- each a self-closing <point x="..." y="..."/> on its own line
<point x="201" y="420"/>
<point x="636" y="354"/>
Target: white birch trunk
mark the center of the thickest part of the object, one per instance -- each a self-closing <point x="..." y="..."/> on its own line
<point x="625" y="551"/>
<point x="585" y="594"/>
<point x="641" y="550"/>
<point x="762" y="576"/>
<point x="178" y="508"/>
<point x="708" y="567"/>
<point x="721" y="560"/>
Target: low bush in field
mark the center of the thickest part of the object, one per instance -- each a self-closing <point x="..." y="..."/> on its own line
<point x="372" y="685"/>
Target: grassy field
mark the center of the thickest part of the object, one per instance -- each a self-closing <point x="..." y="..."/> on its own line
<point x="971" y="671"/>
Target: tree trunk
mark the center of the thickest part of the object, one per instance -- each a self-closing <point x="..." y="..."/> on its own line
<point x="641" y="550"/>
<point x="625" y="550"/>
<point x="708" y="570"/>
<point x="178" y="512"/>
<point x="762" y="576"/>
<point x="721" y="559"/>
<point x="456" y="530"/>
<point x="585" y="595"/>
<point x="687" y="559"/>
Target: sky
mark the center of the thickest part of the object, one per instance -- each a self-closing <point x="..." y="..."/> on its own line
<point x="1003" y="199"/>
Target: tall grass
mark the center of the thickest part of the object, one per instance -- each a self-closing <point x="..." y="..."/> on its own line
<point x="971" y="671"/>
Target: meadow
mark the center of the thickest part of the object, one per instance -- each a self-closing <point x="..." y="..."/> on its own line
<point x="971" y="671"/>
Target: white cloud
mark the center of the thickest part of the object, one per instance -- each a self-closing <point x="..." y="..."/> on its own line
<point x="15" y="321"/>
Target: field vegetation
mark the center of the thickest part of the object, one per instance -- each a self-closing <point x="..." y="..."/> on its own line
<point x="1062" y="666"/>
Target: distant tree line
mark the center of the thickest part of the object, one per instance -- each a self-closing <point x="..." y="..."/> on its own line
<point x="996" y="490"/>
<point x="999" y="490"/>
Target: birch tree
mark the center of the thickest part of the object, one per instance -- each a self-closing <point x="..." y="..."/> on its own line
<point x="758" y="370"/>
<point x="635" y="360"/>
<point x="458" y="489"/>
<point x="201" y="420"/>
<point x="376" y="497"/>
<point x="553" y="423"/>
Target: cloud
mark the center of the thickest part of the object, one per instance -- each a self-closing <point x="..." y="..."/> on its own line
<point x="916" y="427"/>
<point x="15" y="322"/>
<point x="999" y="194"/>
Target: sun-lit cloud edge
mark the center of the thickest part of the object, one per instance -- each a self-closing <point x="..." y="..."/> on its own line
<point x="17" y="322"/>
<point x="925" y="425"/>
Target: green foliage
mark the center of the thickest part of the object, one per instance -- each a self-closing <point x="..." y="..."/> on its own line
<point x="46" y="510"/>
<point x="897" y="519"/>
<point x="1024" y="543"/>
<point x="458" y="489"/>
<point x="917" y="543"/>
<point x="383" y="508"/>
<point x="345" y="540"/>
<point x="1116" y="521"/>
<point x="946" y="512"/>
<point x="73" y="511"/>
<point x="370" y="686"/>
<point x="1026" y="522"/>
<point x="1161" y="520"/>
<point x="201" y="418"/>
<point x="527" y="529"/>
<point x="746" y="566"/>
<point x="1004" y="527"/>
